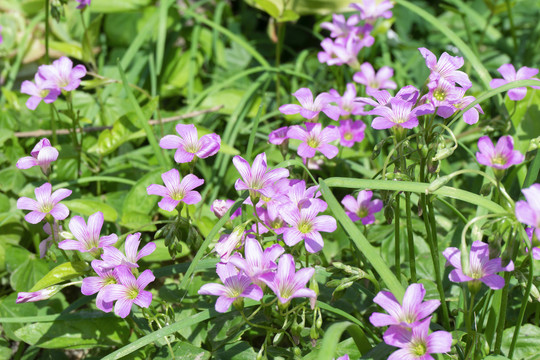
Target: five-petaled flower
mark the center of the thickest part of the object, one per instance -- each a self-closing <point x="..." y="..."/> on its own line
<point x="96" y="284"/>
<point x="46" y="203"/>
<point x="188" y="145"/>
<point x="62" y="75"/>
<point x="308" y="108"/>
<point x="314" y="138"/>
<point x="501" y="156"/>
<point x="509" y="74"/>
<point x="257" y="178"/>
<point x="176" y="191"/>
<point x="362" y="208"/>
<point x="378" y="80"/>
<point x="39" y="91"/>
<point x="114" y="257"/>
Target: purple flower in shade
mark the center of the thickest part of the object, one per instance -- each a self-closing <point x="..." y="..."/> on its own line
<point x="88" y="239"/>
<point x="382" y="97"/>
<point x="220" y="208"/>
<point x="446" y="68"/>
<point x="344" y="357"/>
<point x="114" y="257"/>
<point x="416" y="343"/>
<point x="379" y="80"/>
<point x="314" y="138"/>
<point x="257" y="261"/>
<point x="348" y="103"/>
<point x="235" y="285"/>
<point x="370" y="10"/>
<point x="46" y="203"/>
<point x="83" y="3"/>
<point x="481" y="268"/>
<point x="38" y="91"/>
<point x="46" y="244"/>
<point x="305" y="225"/>
<point x="188" y="145"/>
<point x="470" y="116"/>
<point x="176" y="191"/>
<point x="535" y="249"/>
<point x="43" y="154"/>
<point x="499" y="157"/>
<point x="62" y="75"/>
<point x="362" y="208"/>
<point x="128" y="290"/>
<point x="308" y="108"/>
<point x="341" y="27"/>
<point x="509" y="74"/>
<point x="39" y="295"/>
<point x="351" y="132"/>
<point x="287" y="283"/>
<point x="528" y="212"/>
<point x="400" y="114"/>
<point x="96" y="284"/>
<point x="229" y="242"/>
<point x="278" y="136"/>
<point x="409" y="314"/>
<point x="345" y="50"/>
<point x="257" y="179"/>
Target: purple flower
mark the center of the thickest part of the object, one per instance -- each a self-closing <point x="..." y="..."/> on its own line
<point x="362" y="208"/>
<point x="446" y="68"/>
<point x="43" y="154"/>
<point x="305" y="225"/>
<point x="88" y="239"/>
<point x="229" y="242"/>
<point x="407" y="93"/>
<point x="39" y="295"/>
<point x="348" y="102"/>
<point x="470" y="116"/>
<point x="351" y="132"/>
<point x="96" y="284"/>
<point x="409" y="315"/>
<point x="481" y="268"/>
<point x="278" y="136"/>
<point x="62" y="75"/>
<point x="314" y="138"/>
<point x="509" y="74"/>
<point x="235" y="286"/>
<point x="176" y="191"/>
<point x="46" y="203"/>
<point x="499" y="157"/>
<point x="345" y="50"/>
<point x="1" y="38"/>
<point x="535" y="249"/>
<point x="257" y="262"/>
<point x="257" y="179"/>
<point x="287" y="283"/>
<point x="528" y="212"/>
<point x="128" y="291"/>
<point x="442" y="95"/>
<point x="188" y="145"/>
<point x="416" y="343"/>
<point x="379" y="80"/>
<point x="339" y="27"/>
<point x="220" y="208"/>
<point x="370" y="10"/>
<point x="46" y="244"/>
<point x="83" y="3"/>
<point x="309" y="108"/>
<point x="114" y="257"/>
<point x="400" y="114"/>
<point x="38" y="91"/>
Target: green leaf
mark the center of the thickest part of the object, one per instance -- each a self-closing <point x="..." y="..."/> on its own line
<point x="240" y="350"/>
<point x="30" y="272"/>
<point x="107" y="6"/>
<point x="88" y="207"/>
<point x="527" y="345"/>
<point x="61" y="273"/>
<point x="332" y="335"/>
<point x="11" y="179"/>
<point x="138" y="203"/>
<point x="183" y="351"/>
<point x="274" y="8"/>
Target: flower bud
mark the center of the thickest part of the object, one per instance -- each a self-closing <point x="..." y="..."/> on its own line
<point x="39" y="295"/>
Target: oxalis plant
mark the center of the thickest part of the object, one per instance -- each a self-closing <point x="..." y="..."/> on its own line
<point x="199" y="180"/>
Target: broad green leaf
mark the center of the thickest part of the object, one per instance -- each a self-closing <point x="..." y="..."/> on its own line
<point x="240" y="350"/>
<point x="137" y="200"/>
<point x="10" y="309"/>
<point x="5" y="349"/>
<point x="162" y="253"/>
<point x="183" y="351"/>
<point x="11" y="179"/>
<point x="107" y="6"/>
<point x="27" y="274"/>
<point x="229" y="99"/>
<point x="61" y="273"/>
<point x="88" y="207"/>
<point x="72" y="50"/>
<point x="16" y="256"/>
<point x="274" y="8"/>
<point x="527" y="345"/>
<point x="332" y="335"/>
<point x="136" y="220"/>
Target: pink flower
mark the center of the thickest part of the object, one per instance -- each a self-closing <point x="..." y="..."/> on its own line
<point x="509" y="74"/>
<point x="39" y="295"/>
<point x="88" y="236"/>
<point x="379" y="80"/>
<point x="300" y="196"/>
<point x="400" y="114"/>
<point x="235" y="285"/>
<point x="470" y="116"/>
<point x="351" y="132"/>
<point x="345" y="50"/>
<point x="62" y="75"/>
<point x="38" y="91"/>
<point x="348" y="103"/>
<point x="46" y="203"/>
<point x="306" y="225"/>
<point x="442" y="95"/>
<point x="83" y="3"/>
<point x="409" y="314"/>
<point x="339" y="27"/>
<point x="407" y="93"/>
<point x="528" y="212"/>
<point x="370" y="10"/>
<point x="230" y="242"/>
<point x="287" y="283"/>
<point x="220" y="208"/>
<point x="257" y="262"/>
<point x="308" y="108"/>
<point x="446" y="68"/>
<point x="535" y="249"/>
<point x="481" y="268"/>
<point x="314" y="138"/>
<point x="278" y="136"/>
<point x="257" y="179"/>
<point x="176" y="191"/>
<point x="499" y="157"/>
<point x="42" y="155"/>
<point x="114" y="257"/>
<point x="128" y="291"/>
<point x="362" y="208"/>
<point x="417" y="343"/>
<point x="96" y="284"/>
<point x="188" y="145"/>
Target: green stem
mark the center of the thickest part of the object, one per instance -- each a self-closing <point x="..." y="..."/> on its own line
<point x="514" y="38"/>
<point x="397" y="245"/>
<point x="47" y="30"/>
<point x="412" y="260"/>
<point x="280" y="36"/>
<point x="470" y="310"/>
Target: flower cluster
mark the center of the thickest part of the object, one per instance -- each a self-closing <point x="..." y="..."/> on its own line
<point x="409" y="324"/>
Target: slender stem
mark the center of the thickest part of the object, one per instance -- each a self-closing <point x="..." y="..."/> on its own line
<point x="267" y="328"/>
<point x="470" y="310"/>
<point x="280" y="36"/>
<point x="47" y="30"/>
<point x="397" y="245"/>
<point x="514" y="39"/>
<point x="412" y="260"/>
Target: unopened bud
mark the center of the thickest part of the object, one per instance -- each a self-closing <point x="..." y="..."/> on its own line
<point x="39" y="295"/>
<point x="437" y="184"/>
